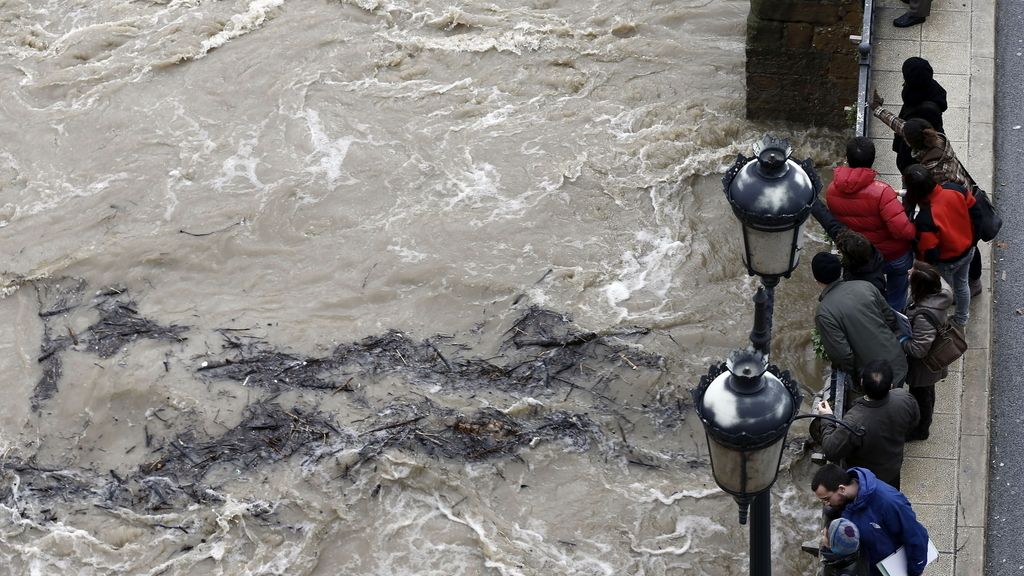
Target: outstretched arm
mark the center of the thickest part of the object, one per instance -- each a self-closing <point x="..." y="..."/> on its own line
<point x="891" y="120"/>
<point x="828" y="221"/>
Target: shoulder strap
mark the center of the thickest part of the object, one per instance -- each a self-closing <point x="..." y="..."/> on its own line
<point x="931" y="315"/>
<point x="970" y="178"/>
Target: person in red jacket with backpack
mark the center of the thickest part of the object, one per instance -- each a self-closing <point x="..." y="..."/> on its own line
<point x="871" y="207"/>
<point x="945" y="235"/>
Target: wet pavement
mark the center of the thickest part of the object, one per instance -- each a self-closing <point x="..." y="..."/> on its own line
<point x="945" y="477"/>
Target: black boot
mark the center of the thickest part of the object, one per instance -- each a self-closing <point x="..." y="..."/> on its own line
<point x="908" y="20"/>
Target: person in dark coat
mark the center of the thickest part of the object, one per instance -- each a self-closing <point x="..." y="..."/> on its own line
<point x="886" y="415"/>
<point x="860" y="259"/>
<point x="931" y="297"/>
<point x="855" y="323"/>
<point x="923" y="98"/>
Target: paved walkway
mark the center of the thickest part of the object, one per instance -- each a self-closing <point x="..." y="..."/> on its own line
<point x="945" y="477"/>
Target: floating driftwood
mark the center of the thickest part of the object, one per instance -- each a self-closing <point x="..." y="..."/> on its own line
<point x="56" y="297"/>
<point x="544" y="355"/>
<point x="119" y="324"/>
<point x="541" y="351"/>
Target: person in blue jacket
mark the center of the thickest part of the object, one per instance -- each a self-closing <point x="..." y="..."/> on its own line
<point x="881" y="513"/>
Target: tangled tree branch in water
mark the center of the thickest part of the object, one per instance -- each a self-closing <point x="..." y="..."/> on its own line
<point x="541" y="349"/>
<point x="543" y="355"/>
<point x="119" y="324"/>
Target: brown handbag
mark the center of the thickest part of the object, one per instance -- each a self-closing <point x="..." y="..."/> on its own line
<point x="949" y="345"/>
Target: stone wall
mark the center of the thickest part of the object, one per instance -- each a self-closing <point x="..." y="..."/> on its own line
<point x="801" y="64"/>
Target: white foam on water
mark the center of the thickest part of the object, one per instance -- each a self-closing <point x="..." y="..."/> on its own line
<point x="255" y="15"/>
<point x="650" y="266"/>
<point x="519" y="38"/>
<point x="527" y="405"/>
<point x="174" y="180"/>
<point x="538" y="296"/>
<point x="471" y="187"/>
<point x="407" y="254"/>
<point x="797" y="504"/>
<point x="491" y="551"/>
<point x="679" y="542"/>
<point x="331" y="151"/>
<point x="407" y="89"/>
<point x="60" y="193"/>
<point x="241" y="165"/>
<point x="653" y="494"/>
<point x="495" y="117"/>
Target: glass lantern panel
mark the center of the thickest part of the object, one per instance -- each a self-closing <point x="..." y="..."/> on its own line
<point x="771" y="253"/>
<point x="761" y="467"/>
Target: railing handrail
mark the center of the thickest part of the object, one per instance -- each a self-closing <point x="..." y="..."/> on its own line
<point x="864" y="72"/>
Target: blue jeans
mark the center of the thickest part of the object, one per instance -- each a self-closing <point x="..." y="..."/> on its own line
<point x="956" y="274"/>
<point x="897" y="280"/>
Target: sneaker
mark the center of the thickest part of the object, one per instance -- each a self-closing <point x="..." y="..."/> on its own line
<point x="975" y="287"/>
<point x="908" y="20"/>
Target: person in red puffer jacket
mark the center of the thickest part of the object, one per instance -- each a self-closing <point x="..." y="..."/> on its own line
<point x="871" y="207"/>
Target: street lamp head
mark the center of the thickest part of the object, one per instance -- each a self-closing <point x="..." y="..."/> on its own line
<point x="746" y="407"/>
<point x="771" y="195"/>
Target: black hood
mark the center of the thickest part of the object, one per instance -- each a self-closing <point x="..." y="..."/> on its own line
<point x="919" y="85"/>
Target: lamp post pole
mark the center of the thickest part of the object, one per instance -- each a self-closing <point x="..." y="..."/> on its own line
<point x="761" y="335"/>
<point x="761" y="506"/>
<point x="761" y="535"/>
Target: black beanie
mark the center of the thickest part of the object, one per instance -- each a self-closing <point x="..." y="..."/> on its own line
<point x="826" y="267"/>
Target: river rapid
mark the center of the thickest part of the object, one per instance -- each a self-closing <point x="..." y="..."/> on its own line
<point x="356" y="185"/>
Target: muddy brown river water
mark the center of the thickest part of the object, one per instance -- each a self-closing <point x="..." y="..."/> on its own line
<point x="370" y="287"/>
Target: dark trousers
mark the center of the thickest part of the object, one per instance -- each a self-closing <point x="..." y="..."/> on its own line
<point x="920" y="7"/>
<point x="975" y="271"/>
<point x="925" y="396"/>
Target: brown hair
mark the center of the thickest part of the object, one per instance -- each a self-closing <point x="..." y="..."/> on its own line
<point x="920" y="135"/>
<point x="855" y="248"/>
<point x="925" y="280"/>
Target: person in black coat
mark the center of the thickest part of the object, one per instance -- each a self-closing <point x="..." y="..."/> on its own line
<point x="923" y="98"/>
<point x="861" y="260"/>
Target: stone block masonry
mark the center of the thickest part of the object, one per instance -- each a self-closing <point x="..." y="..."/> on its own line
<point x="801" y="64"/>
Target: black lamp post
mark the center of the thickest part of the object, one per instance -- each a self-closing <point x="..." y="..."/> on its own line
<point x="746" y="405"/>
<point x="771" y="196"/>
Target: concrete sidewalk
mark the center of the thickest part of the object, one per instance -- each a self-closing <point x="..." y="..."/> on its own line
<point x="946" y="476"/>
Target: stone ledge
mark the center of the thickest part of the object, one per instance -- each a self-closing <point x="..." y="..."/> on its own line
<point x="971" y="480"/>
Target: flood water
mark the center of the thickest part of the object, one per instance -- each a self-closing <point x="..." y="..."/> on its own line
<point x="352" y="184"/>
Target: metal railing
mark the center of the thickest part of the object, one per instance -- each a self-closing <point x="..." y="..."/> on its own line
<point x="864" y="72"/>
<point x="838" y="381"/>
